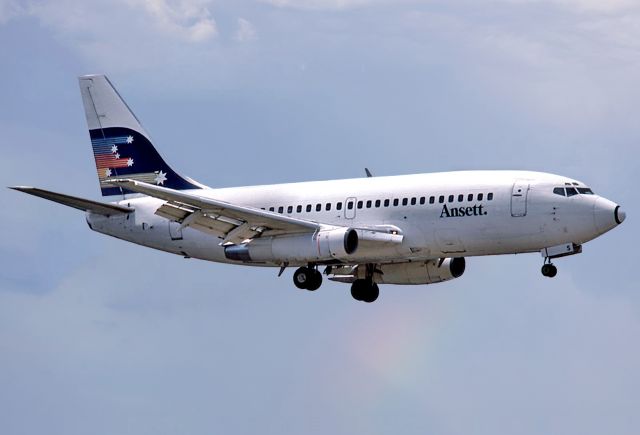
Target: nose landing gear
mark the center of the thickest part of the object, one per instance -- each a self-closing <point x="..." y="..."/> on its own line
<point x="549" y="270"/>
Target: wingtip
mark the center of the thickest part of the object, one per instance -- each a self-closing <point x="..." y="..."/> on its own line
<point x="20" y="188"/>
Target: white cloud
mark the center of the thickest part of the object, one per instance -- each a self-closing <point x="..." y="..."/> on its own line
<point x="183" y="20"/>
<point x="320" y="4"/>
<point x="245" y="31"/>
<point x="188" y="19"/>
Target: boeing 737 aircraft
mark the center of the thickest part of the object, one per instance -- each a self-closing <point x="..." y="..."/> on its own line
<point x="410" y="229"/>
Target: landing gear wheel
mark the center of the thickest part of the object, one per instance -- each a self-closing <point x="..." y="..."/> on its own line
<point x="301" y="277"/>
<point x="358" y="289"/>
<point x="306" y="278"/>
<point x="315" y="280"/>
<point x="364" y="290"/>
<point x="549" y="270"/>
<point x="372" y="293"/>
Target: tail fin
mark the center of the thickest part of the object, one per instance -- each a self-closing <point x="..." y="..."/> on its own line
<point x="121" y="146"/>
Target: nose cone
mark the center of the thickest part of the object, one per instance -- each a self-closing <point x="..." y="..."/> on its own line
<point x="607" y="215"/>
<point x="620" y="215"/>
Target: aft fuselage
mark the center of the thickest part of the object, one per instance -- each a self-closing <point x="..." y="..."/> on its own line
<point x="451" y="214"/>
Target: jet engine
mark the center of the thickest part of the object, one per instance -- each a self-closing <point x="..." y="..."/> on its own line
<point x="325" y="245"/>
<point x="429" y="272"/>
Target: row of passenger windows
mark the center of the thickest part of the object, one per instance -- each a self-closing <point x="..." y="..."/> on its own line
<point x="384" y="203"/>
<point x="570" y="191"/>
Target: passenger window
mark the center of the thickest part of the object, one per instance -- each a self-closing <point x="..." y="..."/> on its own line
<point x="422" y="200"/>
<point x="328" y="207"/>
<point x="571" y="191"/>
<point x="339" y="206"/>
<point x="460" y="198"/>
<point x="318" y="207"/>
<point x="559" y="191"/>
<point x="359" y="204"/>
<point x="489" y="196"/>
<point x="432" y="199"/>
<point x="450" y="198"/>
<point x="377" y="203"/>
<point x="441" y="199"/>
<point x="413" y="201"/>
<point x="369" y="203"/>
<point x="308" y="208"/>
<point x="480" y="196"/>
<point x="271" y="209"/>
<point x="350" y="205"/>
<point x="290" y="209"/>
<point x="386" y="203"/>
<point x="299" y="209"/>
<point x="281" y="209"/>
<point x="470" y="197"/>
<point x="396" y="202"/>
<point x="405" y="201"/>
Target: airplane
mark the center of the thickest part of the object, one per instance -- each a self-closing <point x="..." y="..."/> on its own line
<point x="408" y="229"/>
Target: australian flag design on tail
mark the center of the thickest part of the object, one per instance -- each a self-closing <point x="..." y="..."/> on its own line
<point x="124" y="153"/>
<point x="121" y="146"/>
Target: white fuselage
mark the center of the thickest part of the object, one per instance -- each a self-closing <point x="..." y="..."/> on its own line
<point x="451" y="214"/>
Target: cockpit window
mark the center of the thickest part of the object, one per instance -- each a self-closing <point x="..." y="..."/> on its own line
<point x="571" y="191"/>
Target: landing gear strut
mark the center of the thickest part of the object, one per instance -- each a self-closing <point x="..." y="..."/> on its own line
<point x="307" y="278"/>
<point x="549" y="270"/>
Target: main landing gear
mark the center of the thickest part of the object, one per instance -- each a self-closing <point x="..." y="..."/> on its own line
<point x="549" y="269"/>
<point x="307" y="278"/>
<point x="365" y="290"/>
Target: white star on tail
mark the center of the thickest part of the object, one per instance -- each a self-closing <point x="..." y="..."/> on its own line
<point x="117" y="156"/>
<point x="114" y="149"/>
<point x="130" y="162"/>
<point x="107" y="172"/>
<point x="160" y="178"/>
<point x="130" y="139"/>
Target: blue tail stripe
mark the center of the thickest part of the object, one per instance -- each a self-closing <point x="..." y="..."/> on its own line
<point x="136" y="155"/>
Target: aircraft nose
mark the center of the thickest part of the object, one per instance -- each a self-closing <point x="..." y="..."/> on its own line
<point x="607" y="215"/>
<point x="620" y="215"/>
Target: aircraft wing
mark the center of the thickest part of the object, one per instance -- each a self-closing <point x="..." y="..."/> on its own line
<point x="230" y="222"/>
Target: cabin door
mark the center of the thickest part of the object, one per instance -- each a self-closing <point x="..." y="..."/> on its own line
<point x="519" y="198"/>
<point x="350" y="208"/>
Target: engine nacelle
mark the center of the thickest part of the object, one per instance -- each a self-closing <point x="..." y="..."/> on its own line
<point x="421" y="273"/>
<point x="333" y="244"/>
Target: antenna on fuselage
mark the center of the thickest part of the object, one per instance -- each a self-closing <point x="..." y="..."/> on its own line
<point x="369" y="175"/>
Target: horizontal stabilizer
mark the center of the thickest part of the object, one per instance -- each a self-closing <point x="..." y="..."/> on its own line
<point x="75" y="202"/>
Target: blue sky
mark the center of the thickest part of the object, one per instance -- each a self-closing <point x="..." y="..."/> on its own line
<point x="102" y="336"/>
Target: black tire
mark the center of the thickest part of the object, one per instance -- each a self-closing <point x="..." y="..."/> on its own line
<point x="549" y="270"/>
<point x="372" y="293"/>
<point x="357" y="289"/>
<point x="301" y="277"/>
<point x="315" y="280"/>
